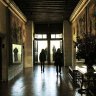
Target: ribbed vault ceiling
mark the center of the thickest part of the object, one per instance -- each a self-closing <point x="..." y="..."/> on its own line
<point x="47" y="10"/>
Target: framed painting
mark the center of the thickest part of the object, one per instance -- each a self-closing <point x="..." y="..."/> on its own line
<point x="16" y="53"/>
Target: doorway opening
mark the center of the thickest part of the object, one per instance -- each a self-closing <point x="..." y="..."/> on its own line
<point x="50" y="43"/>
<point x="54" y="45"/>
<point x="38" y="46"/>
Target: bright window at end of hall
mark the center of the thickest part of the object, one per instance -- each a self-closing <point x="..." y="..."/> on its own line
<point x="58" y="35"/>
<point x="52" y="35"/>
<point x="44" y="36"/>
<point x="38" y="36"/>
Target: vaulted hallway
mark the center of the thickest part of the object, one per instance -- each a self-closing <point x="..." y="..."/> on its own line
<point x="31" y="82"/>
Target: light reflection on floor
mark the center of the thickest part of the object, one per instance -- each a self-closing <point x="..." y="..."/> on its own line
<point x="35" y="83"/>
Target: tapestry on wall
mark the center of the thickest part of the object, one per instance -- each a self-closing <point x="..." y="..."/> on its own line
<point x="81" y="24"/>
<point x="91" y="17"/>
<point x="17" y="30"/>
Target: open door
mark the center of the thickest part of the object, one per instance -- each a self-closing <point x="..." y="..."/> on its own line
<point x="38" y="46"/>
<point x="54" y="45"/>
<point x="35" y="52"/>
<point x="50" y="43"/>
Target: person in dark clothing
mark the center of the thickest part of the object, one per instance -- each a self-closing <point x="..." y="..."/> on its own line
<point x="42" y="58"/>
<point x="58" y="60"/>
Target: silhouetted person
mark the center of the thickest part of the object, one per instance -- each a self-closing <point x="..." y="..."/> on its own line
<point x="42" y="58"/>
<point x="15" y="54"/>
<point x="58" y="60"/>
<point x="54" y="51"/>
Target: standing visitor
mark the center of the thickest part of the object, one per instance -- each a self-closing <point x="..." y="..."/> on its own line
<point x="42" y="58"/>
<point x="54" y="51"/>
<point x="58" y="61"/>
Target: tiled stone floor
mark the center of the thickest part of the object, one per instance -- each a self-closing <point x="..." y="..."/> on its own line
<point x="31" y="82"/>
